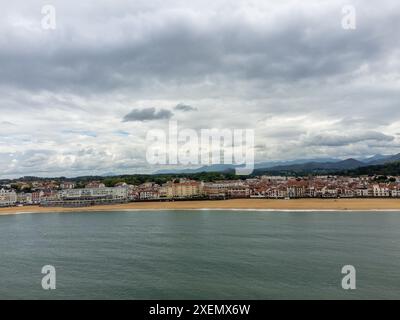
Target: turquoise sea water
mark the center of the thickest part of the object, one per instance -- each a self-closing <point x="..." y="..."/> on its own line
<point x="200" y="255"/>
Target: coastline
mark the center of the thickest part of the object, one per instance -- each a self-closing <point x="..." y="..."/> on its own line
<point x="232" y="204"/>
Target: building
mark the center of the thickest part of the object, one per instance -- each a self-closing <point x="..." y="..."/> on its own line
<point x="330" y="191"/>
<point x="214" y="191"/>
<point x="148" y="195"/>
<point x="94" y="185"/>
<point x="296" y="189"/>
<point x="94" y="193"/>
<point x="48" y="193"/>
<point x="279" y="179"/>
<point x="362" y="192"/>
<point x="381" y="190"/>
<point x="37" y="196"/>
<point x="87" y="197"/>
<point x="7" y="198"/>
<point x="395" y="191"/>
<point x="67" y="185"/>
<point x="277" y="192"/>
<point x="148" y="191"/>
<point x="183" y="189"/>
<point x="24" y="198"/>
<point x="226" y="189"/>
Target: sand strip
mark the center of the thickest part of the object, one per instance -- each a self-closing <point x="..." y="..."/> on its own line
<point x="245" y="204"/>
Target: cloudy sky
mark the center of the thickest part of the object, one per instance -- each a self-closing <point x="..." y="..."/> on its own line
<point x="79" y="99"/>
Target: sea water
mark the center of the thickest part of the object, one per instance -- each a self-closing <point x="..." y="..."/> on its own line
<point x="200" y="255"/>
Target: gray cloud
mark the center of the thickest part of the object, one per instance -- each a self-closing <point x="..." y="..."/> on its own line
<point x="147" y="114"/>
<point x="184" y="107"/>
<point x="337" y="140"/>
<point x="189" y="44"/>
<point x="286" y="69"/>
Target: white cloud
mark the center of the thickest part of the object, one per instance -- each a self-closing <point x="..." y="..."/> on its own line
<point x="284" y="68"/>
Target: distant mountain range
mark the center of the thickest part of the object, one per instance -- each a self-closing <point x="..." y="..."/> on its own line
<point x="380" y="159"/>
<point x="227" y="167"/>
<point x="297" y="166"/>
<point x="378" y="164"/>
<point x="387" y="169"/>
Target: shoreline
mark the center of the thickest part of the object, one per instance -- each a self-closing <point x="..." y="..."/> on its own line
<point x="325" y="205"/>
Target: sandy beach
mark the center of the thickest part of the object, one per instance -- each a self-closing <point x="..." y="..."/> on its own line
<point x="244" y="204"/>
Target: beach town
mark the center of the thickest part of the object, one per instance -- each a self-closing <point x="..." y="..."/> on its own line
<point x="49" y="193"/>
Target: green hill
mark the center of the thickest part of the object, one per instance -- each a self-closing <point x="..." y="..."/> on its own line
<point x="388" y="169"/>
